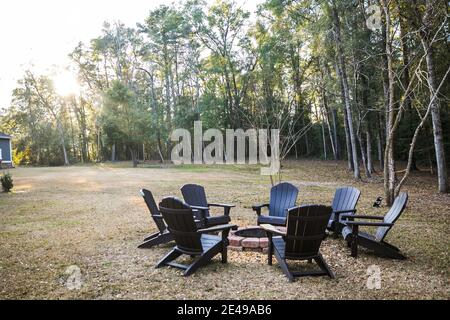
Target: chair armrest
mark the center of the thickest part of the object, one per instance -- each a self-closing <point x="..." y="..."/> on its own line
<point x="346" y="216"/>
<point x="270" y="228"/>
<point x="258" y="207"/>
<point x="200" y="208"/>
<point x="220" y="227"/>
<point x="368" y="224"/>
<point x="226" y="207"/>
<point x="223" y="205"/>
<point x="344" y="211"/>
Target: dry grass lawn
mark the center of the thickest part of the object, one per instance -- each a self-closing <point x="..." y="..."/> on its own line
<point x="93" y="217"/>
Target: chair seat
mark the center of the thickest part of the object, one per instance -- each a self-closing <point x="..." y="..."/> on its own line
<point x="209" y="241"/>
<point x="278" y="221"/>
<point x="347" y="231"/>
<point x="216" y="220"/>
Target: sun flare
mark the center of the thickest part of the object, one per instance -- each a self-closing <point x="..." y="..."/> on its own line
<point x="66" y="84"/>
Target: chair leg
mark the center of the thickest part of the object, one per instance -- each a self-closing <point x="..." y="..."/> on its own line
<point x="152" y="236"/>
<point x="203" y="259"/>
<point x="284" y="266"/>
<point x="354" y="245"/>
<point x="270" y="249"/>
<point x="172" y="255"/>
<point x="194" y="266"/>
<point x="224" y="253"/>
<point x="387" y="250"/>
<point x="161" y="239"/>
<point x="224" y="245"/>
<point x="324" y="266"/>
<point x="394" y="254"/>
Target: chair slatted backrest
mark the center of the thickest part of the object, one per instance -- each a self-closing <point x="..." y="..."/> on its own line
<point x="305" y="230"/>
<point x="282" y="197"/>
<point x="345" y="198"/>
<point x="393" y="214"/>
<point x="180" y="222"/>
<point x="194" y="195"/>
<point x="151" y="205"/>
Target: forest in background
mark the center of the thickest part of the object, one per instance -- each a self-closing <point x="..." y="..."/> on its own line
<point x="315" y="69"/>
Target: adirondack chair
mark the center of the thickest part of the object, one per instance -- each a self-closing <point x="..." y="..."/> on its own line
<point x="300" y="240"/>
<point x="194" y="195"/>
<point x="163" y="235"/>
<point x="344" y="202"/>
<point x="189" y="239"/>
<point x="282" y="197"/>
<point x="375" y="242"/>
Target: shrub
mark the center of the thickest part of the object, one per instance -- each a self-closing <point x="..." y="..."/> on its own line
<point x="22" y="157"/>
<point x="7" y="182"/>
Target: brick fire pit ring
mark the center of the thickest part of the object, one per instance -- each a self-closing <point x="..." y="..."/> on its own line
<point x="252" y="238"/>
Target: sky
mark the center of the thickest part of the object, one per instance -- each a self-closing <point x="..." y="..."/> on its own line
<point x="39" y="34"/>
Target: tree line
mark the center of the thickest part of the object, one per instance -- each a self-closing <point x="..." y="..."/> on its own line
<point x="360" y="80"/>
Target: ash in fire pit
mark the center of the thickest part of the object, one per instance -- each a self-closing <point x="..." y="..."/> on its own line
<point x="249" y="239"/>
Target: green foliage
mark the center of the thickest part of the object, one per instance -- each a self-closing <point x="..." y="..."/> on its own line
<point x="210" y="62"/>
<point x="7" y="182"/>
<point x="22" y="157"/>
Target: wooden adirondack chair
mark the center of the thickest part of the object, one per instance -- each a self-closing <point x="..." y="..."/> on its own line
<point x="282" y="197"/>
<point x="301" y="240"/>
<point x="375" y="242"/>
<point x="344" y="202"/>
<point x="163" y="235"/>
<point x="189" y="239"/>
<point x="194" y="195"/>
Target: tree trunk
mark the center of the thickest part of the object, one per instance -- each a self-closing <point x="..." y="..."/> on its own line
<point x="363" y="155"/>
<point x="63" y="144"/>
<point x="389" y="169"/>
<point x="347" y="135"/>
<point x="416" y="134"/>
<point x="133" y="152"/>
<point x="113" y="152"/>
<point x="330" y="134"/>
<point x="324" y="141"/>
<point x="66" y="159"/>
<point x="325" y="115"/>
<point x="335" y="134"/>
<point x="435" y="115"/>
<point x="406" y="78"/>
<point x="380" y="143"/>
<point x="369" y="151"/>
<point x="343" y="75"/>
<point x="98" y="145"/>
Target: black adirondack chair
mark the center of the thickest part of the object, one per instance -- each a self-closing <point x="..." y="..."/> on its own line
<point x="301" y="241"/>
<point x="344" y="202"/>
<point x="282" y="197"/>
<point x="375" y="242"/>
<point x="163" y="235"/>
<point x="194" y="195"/>
<point x="189" y="239"/>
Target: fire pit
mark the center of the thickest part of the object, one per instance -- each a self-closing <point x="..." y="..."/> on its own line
<point x="251" y="238"/>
